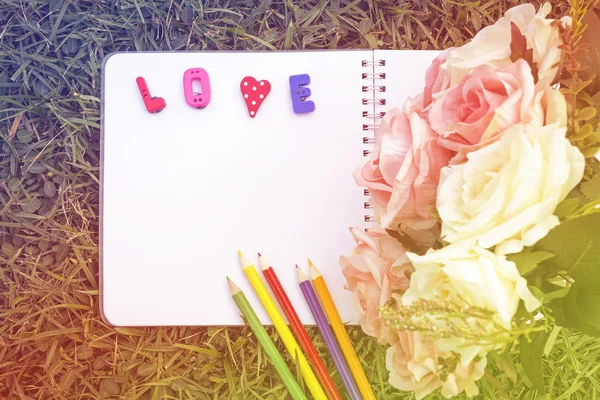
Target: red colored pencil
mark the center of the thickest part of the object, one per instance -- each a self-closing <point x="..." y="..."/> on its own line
<point x="299" y="331"/>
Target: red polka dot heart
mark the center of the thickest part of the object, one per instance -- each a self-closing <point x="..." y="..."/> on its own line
<point x="254" y="93"/>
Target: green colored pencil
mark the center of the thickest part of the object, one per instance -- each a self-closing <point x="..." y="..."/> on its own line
<point x="266" y="342"/>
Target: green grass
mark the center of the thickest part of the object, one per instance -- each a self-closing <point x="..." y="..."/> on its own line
<point x="53" y="344"/>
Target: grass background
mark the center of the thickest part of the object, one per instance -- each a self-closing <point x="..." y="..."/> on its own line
<point x="53" y="344"/>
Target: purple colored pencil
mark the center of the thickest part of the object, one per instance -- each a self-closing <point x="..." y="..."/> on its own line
<point x="328" y="336"/>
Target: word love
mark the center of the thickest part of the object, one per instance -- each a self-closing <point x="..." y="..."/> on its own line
<point x="198" y="94"/>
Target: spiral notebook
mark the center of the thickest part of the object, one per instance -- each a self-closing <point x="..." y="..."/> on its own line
<point x="184" y="189"/>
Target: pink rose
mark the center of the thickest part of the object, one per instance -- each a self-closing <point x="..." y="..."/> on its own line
<point x="484" y="104"/>
<point x="378" y="267"/>
<point x="414" y="365"/>
<point x="403" y="171"/>
<point x="436" y="78"/>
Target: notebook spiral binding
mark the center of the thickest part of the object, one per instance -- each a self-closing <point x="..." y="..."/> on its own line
<point x="374" y="85"/>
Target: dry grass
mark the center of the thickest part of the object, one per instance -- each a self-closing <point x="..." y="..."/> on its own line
<point x="53" y="345"/>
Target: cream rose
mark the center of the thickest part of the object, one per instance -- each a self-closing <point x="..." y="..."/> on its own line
<point x="463" y="272"/>
<point x="506" y="193"/>
<point x="491" y="45"/>
<point x="414" y="365"/>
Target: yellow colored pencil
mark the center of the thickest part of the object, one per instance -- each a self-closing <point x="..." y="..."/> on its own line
<point x="284" y="331"/>
<point x="340" y="333"/>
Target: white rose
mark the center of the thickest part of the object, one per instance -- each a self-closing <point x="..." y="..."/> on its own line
<point x="491" y="45"/>
<point x="413" y="363"/>
<point x="463" y="272"/>
<point x="505" y="194"/>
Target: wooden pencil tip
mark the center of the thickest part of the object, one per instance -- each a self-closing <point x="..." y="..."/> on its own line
<point x="233" y="288"/>
<point x="244" y="260"/>
<point x="301" y="275"/>
<point x="264" y="264"/>
<point x="310" y="263"/>
<point x="314" y="272"/>
<point x="260" y="255"/>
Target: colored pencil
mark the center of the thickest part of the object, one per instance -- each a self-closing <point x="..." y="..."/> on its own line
<point x="327" y="333"/>
<point x="284" y="332"/>
<point x="298" y="329"/>
<point x="266" y="343"/>
<point x="340" y="332"/>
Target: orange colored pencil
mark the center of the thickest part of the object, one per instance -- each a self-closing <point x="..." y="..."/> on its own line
<point x="299" y="331"/>
<point x="340" y="333"/>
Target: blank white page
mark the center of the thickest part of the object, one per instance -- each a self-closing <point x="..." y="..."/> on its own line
<point x="184" y="189"/>
<point x="405" y="75"/>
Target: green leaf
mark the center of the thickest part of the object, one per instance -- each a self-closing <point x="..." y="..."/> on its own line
<point x="147" y="368"/>
<point x="527" y="262"/>
<point x="364" y="26"/>
<point x="188" y="14"/>
<point x="591" y="188"/>
<point x="32" y="205"/>
<point x="49" y="189"/>
<point x="536" y="292"/>
<point x="558" y="312"/>
<point x="590" y="152"/>
<point x="289" y="36"/>
<point x="178" y="385"/>
<point x="44" y="245"/>
<point x="551" y="340"/>
<point x="24" y="136"/>
<point x="555" y="294"/>
<point x="531" y="359"/>
<point x="8" y="249"/>
<point x="575" y="244"/>
<point x="14" y="184"/>
<point x="577" y="311"/>
<point x="84" y="352"/>
<point x="581" y="308"/>
<point x="587" y="303"/>
<point x="372" y="41"/>
<point x="67" y="379"/>
<point x="568" y="206"/>
<point x="110" y="386"/>
<point x="585" y="113"/>
<point x="547" y="297"/>
<point x="201" y="350"/>
<point x="36" y="168"/>
<point x="583" y="132"/>
<point x="505" y="364"/>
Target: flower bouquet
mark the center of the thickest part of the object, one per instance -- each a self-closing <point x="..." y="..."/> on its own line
<point x="486" y="197"/>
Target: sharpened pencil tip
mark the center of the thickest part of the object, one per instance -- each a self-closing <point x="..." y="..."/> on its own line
<point x="233" y="288"/>
<point x="301" y="275"/>
<point x="310" y="263"/>
<point x="244" y="260"/>
<point x="314" y="272"/>
<point x="260" y="255"/>
<point x="264" y="264"/>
